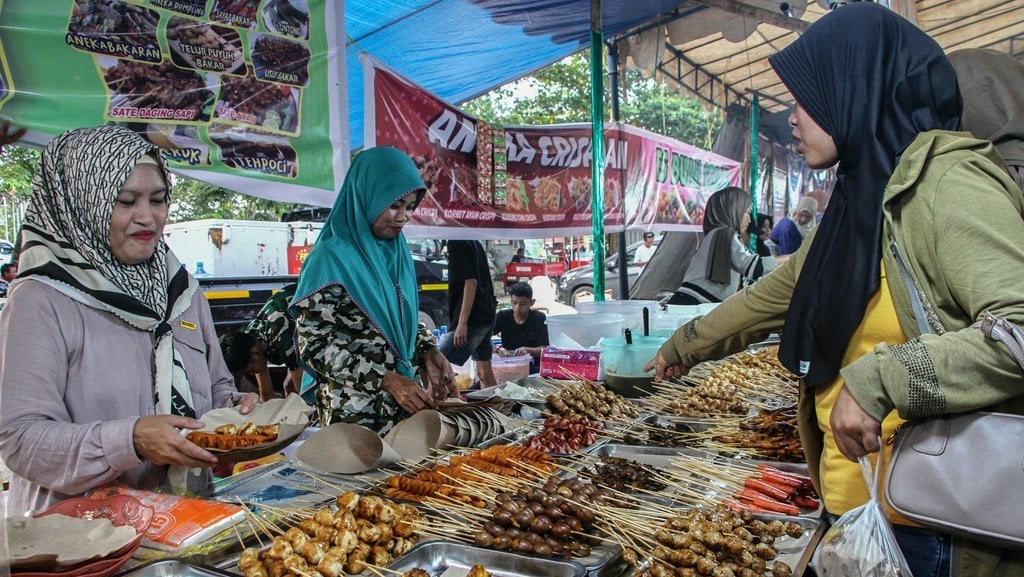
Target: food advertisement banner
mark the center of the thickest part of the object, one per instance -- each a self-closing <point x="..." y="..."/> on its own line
<point x="246" y="94"/>
<point x="515" y="182"/>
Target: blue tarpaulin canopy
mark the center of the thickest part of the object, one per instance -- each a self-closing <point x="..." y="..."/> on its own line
<point x="715" y="49"/>
<point x="459" y="49"/>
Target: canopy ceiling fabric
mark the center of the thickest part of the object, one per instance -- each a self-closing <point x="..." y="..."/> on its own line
<point x="716" y="49"/>
<point x="722" y="57"/>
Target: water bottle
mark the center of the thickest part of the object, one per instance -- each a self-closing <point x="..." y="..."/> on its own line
<point x="437" y="336"/>
<point x="200" y="271"/>
<point x="444" y="331"/>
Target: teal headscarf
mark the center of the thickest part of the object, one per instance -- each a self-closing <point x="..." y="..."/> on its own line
<point x="379" y="275"/>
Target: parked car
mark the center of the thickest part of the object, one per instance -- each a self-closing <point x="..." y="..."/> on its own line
<point x="578" y="283"/>
<point x="6" y="251"/>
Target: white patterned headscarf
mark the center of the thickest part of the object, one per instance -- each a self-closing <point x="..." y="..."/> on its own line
<point x="65" y="243"/>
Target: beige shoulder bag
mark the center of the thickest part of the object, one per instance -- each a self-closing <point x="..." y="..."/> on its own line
<point x="964" y="474"/>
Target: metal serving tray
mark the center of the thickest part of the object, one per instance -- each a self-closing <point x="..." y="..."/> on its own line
<point x="173" y="568"/>
<point x="796" y="553"/>
<point x="455" y="560"/>
<point x="654" y="456"/>
<point x="536" y="383"/>
<point x="662" y="457"/>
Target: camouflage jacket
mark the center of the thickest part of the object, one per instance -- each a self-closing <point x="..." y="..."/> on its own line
<point x="274" y="327"/>
<point x="349" y="356"/>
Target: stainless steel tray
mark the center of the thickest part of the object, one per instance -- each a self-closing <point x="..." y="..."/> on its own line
<point x="536" y="383"/>
<point x="173" y="568"/>
<point x="662" y="457"/>
<point x="654" y="456"/>
<point x="455" y="560"/>
<point x="796" y="553"/>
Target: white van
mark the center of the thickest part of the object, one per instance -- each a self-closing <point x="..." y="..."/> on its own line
<point x="6" y="251"/>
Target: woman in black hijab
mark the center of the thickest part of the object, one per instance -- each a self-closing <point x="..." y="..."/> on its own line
<point x="921" y="237"/>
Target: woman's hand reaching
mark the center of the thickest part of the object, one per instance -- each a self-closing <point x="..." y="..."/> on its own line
<point x="439" y="376"/>
<point x="158" y="439"/>
<point x="663" y="370"/>
<point x="407" y="393"/>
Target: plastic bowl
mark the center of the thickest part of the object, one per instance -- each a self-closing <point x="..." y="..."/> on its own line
<point x="632" y="312"/>
<point x="510" y="368"/>
<point x="623" y="364"/>
<point x="583" y="329"/>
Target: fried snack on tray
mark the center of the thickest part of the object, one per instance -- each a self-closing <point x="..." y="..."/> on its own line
<point x="771" y="435"/>
<point x="715" y="542"/>
<point x="593" y="401"/>
<point x="231" y="436"/>
<point x="364" y="530"/>
<point x="442" y="480"/>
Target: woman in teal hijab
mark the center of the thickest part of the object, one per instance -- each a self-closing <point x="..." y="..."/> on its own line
<point x="356" y="304"/>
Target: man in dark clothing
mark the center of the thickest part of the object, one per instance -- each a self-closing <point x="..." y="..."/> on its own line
<point x="523" y="330"/>
<point x="471" y="306"/>
<point x="269" y="338"/>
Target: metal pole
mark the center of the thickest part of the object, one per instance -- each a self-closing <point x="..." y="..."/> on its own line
<point x="597" y="148"/>
<point x="613" y="72"/>
<point x="754" y="163"/>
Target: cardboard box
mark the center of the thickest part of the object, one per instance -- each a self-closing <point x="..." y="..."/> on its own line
<point x="569" y="364"/>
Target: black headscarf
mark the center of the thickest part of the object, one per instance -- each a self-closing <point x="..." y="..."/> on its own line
<point x="873" y="81"/>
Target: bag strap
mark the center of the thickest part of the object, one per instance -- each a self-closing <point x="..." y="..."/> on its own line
<point x="1004" y="331"/>
<point x="993" y="327"/>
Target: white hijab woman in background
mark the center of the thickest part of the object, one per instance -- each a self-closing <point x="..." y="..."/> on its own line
<point x="107" y="347"/>
<point x="790" y="233"/>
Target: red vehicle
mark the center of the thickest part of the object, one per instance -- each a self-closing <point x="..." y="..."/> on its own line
<point x="529" y="268"/>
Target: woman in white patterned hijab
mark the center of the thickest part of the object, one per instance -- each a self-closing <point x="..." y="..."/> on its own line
<point x="131" y="363"/>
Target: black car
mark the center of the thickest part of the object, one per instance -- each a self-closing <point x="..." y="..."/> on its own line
<point x="234" y="301"/>
<point x="432" y="278"/>
<point x="578" y="283"/>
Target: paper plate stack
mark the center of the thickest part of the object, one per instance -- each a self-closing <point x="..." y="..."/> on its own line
<point x="77" y="538"/>
<point x="347" y="448"/>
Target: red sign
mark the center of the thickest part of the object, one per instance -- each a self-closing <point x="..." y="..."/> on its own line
<point x="296" y="256"/>
<point x="515" y="182"/>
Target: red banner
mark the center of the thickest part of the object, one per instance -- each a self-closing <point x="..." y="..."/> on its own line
<point x="512" y="182"/>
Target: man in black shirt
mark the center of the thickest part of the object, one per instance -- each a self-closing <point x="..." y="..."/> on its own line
<point x="523" y="330"/>
<point x="471" y="306"/>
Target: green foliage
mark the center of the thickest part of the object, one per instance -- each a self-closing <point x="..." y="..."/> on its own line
<point x="652" y="106"/>
<point x="561" y="93"/>
<point x="17" y="168"/>
<point x="193" y="200"/>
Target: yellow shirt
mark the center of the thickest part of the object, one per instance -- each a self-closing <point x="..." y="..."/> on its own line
<point x="841" y="479"/>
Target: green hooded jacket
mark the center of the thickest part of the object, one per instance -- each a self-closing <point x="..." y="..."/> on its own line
<point x="953" y="231"/>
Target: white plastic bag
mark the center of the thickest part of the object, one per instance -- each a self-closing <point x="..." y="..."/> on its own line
<point x="861" y="542"/>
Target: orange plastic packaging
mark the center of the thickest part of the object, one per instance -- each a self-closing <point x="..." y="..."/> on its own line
<point x="178" y="521"/>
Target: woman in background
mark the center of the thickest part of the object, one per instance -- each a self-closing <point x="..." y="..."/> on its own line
<point x="723" y="262"/>
<point x="790" y="233"/>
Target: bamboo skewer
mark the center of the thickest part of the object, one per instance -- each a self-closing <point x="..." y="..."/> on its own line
<point x="337" y="488"/>
<point x="378" y="569"/>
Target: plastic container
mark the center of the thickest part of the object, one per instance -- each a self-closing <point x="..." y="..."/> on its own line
<point x="510" y="368"/>
<point x="631" y="311"/>
<point x="583" y="330"/>
<point x="675" y="316"/>
<point x="622" y="365"/>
